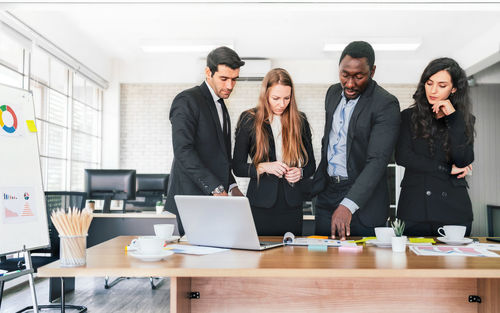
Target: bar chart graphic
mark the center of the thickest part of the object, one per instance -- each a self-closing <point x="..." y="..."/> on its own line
<point x="17" y="205"/>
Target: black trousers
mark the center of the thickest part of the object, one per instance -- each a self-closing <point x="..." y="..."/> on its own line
<point x="278" y="219"/>
<point x="327" y="202"/>
<point x="429" y="229"/>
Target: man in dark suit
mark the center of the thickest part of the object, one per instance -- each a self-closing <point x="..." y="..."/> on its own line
<point x="201" y="133"/>
<point x="362" y="124"/>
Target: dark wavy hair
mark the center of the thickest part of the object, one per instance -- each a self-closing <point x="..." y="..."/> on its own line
<point x="422" y="117"/>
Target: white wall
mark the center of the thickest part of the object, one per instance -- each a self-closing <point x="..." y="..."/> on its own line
<point x="490" y="75"/>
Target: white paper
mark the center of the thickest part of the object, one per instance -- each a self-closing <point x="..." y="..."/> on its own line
<point x="453" y="251"/>
<point x="197" y="250"/>
<point x="489" y="246"/>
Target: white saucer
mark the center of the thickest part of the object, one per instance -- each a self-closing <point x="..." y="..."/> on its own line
<point x="380" y="244"/>
<point x="151" y="257"/>
<point x="462" y="241"/>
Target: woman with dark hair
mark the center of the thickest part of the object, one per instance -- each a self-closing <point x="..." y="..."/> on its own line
<point x="435" y="146"/>
<point x="277" y="138"/>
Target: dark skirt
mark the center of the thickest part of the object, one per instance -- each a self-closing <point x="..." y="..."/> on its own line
<point x="278" y="219"/>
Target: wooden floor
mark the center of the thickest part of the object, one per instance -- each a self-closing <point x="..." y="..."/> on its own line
<point x="131" y="295"/>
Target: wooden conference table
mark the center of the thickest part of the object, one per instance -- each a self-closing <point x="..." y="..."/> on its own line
<point x="294" y="279"/>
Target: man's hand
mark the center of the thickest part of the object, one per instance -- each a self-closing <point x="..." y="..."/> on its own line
<point x="341" y="222"/>
<point x="235" y="192"/>
<point x="222" y="194"/>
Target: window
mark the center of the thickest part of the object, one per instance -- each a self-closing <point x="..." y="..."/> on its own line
<point x="68" y="110"/>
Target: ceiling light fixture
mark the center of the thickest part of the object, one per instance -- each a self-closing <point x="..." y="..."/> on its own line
<point x="180" y="48"/>
<point x="410" y="46"/>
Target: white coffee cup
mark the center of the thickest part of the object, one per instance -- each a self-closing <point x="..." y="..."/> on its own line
<point x="452" y="232"/>
<point x="164" y="231"/>
<point x="148" y="244"/>
<point x="384" y="234"/>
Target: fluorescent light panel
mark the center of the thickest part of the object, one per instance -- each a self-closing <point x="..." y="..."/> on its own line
<point x="180" y="48"/>
<point x="376" y="46"/>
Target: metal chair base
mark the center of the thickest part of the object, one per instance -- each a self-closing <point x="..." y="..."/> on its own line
<point x="78" y="308"/>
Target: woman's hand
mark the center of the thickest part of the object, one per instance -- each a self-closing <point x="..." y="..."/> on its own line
<point x="442" y="108"/>
<point x="274" y="168"/>
<point x="461" y="172"/>
<point x="293" y="175"/>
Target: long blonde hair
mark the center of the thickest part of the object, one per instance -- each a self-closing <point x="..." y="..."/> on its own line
<point x="294" y="151"/>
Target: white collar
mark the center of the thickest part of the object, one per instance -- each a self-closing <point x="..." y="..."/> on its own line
<point x="214" y="96"/>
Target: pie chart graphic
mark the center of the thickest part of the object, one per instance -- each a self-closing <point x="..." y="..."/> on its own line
<point x="13" y="127"/>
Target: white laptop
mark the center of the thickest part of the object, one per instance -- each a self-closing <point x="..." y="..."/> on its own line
<point x="224" y="222"/>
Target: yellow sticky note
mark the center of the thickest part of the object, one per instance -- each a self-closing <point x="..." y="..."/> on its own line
<point x="421" y="240"/>
<point x="365" y="239"/>
<point x="31" y="126"/>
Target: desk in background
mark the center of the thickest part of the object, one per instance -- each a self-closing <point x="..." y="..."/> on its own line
<point x="293" y="279"/>
<point x="106" y="226"/>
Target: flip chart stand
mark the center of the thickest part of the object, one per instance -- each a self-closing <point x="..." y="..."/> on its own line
<point x="27" y="271"/>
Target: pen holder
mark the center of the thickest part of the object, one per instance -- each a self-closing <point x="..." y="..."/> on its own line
<point x="73" y="250"/>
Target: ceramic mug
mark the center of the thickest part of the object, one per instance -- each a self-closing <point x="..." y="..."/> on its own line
<point x="384" y="234"/>
<point x="452" y="232"/>
<point x="164" y="231"/>
<point x="148" y="244"/>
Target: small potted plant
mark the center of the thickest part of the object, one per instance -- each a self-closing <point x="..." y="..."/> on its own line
<point x="159" y="207"/>
<point x="398" y="241"/>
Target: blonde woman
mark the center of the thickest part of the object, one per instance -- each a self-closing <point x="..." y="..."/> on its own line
<point x="277" y="138"/>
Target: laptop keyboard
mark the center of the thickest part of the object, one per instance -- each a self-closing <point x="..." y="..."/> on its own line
<point x="268" y="243"/>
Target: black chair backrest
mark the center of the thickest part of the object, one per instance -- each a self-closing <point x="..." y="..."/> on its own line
<point x="493" y="212"/>
<point x="64" y="200"/>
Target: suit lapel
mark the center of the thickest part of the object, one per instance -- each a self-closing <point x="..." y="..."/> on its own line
<point x="363" y="102"/>
<point x="209" y="101"/>
<point x="332" y="106"/>
<point x="272" y="144"/>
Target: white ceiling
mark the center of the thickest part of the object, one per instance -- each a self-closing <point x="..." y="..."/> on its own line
<point x="286" y="31"/>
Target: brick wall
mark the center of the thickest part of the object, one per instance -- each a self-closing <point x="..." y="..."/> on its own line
<point x="146" y="143"/>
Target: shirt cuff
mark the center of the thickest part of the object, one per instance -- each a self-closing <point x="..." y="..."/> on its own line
<point x="351" y="205"/>
<point x="231" y="187"/>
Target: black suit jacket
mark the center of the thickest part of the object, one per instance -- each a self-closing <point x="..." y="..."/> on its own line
<point x="429" y="193"/>
<point x="264" y="192"/>
<point x="372" y="133"/>
<point x="201" y="160"/>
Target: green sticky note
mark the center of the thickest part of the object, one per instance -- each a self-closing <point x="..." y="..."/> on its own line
<point x="31" y="126"/>
<point x="317" y="247"/>
<point x="421" y="240"/>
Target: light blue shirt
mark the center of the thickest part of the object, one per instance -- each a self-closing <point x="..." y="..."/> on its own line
<point x="337" y="144"/>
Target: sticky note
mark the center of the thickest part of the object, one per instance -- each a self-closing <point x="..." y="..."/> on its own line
<point x="422" y="240"/>
<point x="350" y="249"/>
<point x="318" y="237"/>
<point x="31" y="126"/>
<point x="365" y="239"/>
<point x="317" y="247"/>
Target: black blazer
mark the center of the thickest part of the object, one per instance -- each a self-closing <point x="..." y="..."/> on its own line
<point x="264" y="193"/>
<point x="429" y="193"/>
<point x="201" y="159"/>
<point x="371" y="136"/>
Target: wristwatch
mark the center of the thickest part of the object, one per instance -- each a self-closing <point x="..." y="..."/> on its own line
<point x="218" y="189"/>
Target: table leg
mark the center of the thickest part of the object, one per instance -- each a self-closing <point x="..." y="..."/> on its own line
<point x="63" y="305"/>
<point x="180" y="287"/>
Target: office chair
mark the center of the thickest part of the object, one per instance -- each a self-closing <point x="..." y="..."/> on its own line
<point x="490" y="212"/>
<point x="54" y="200"/>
